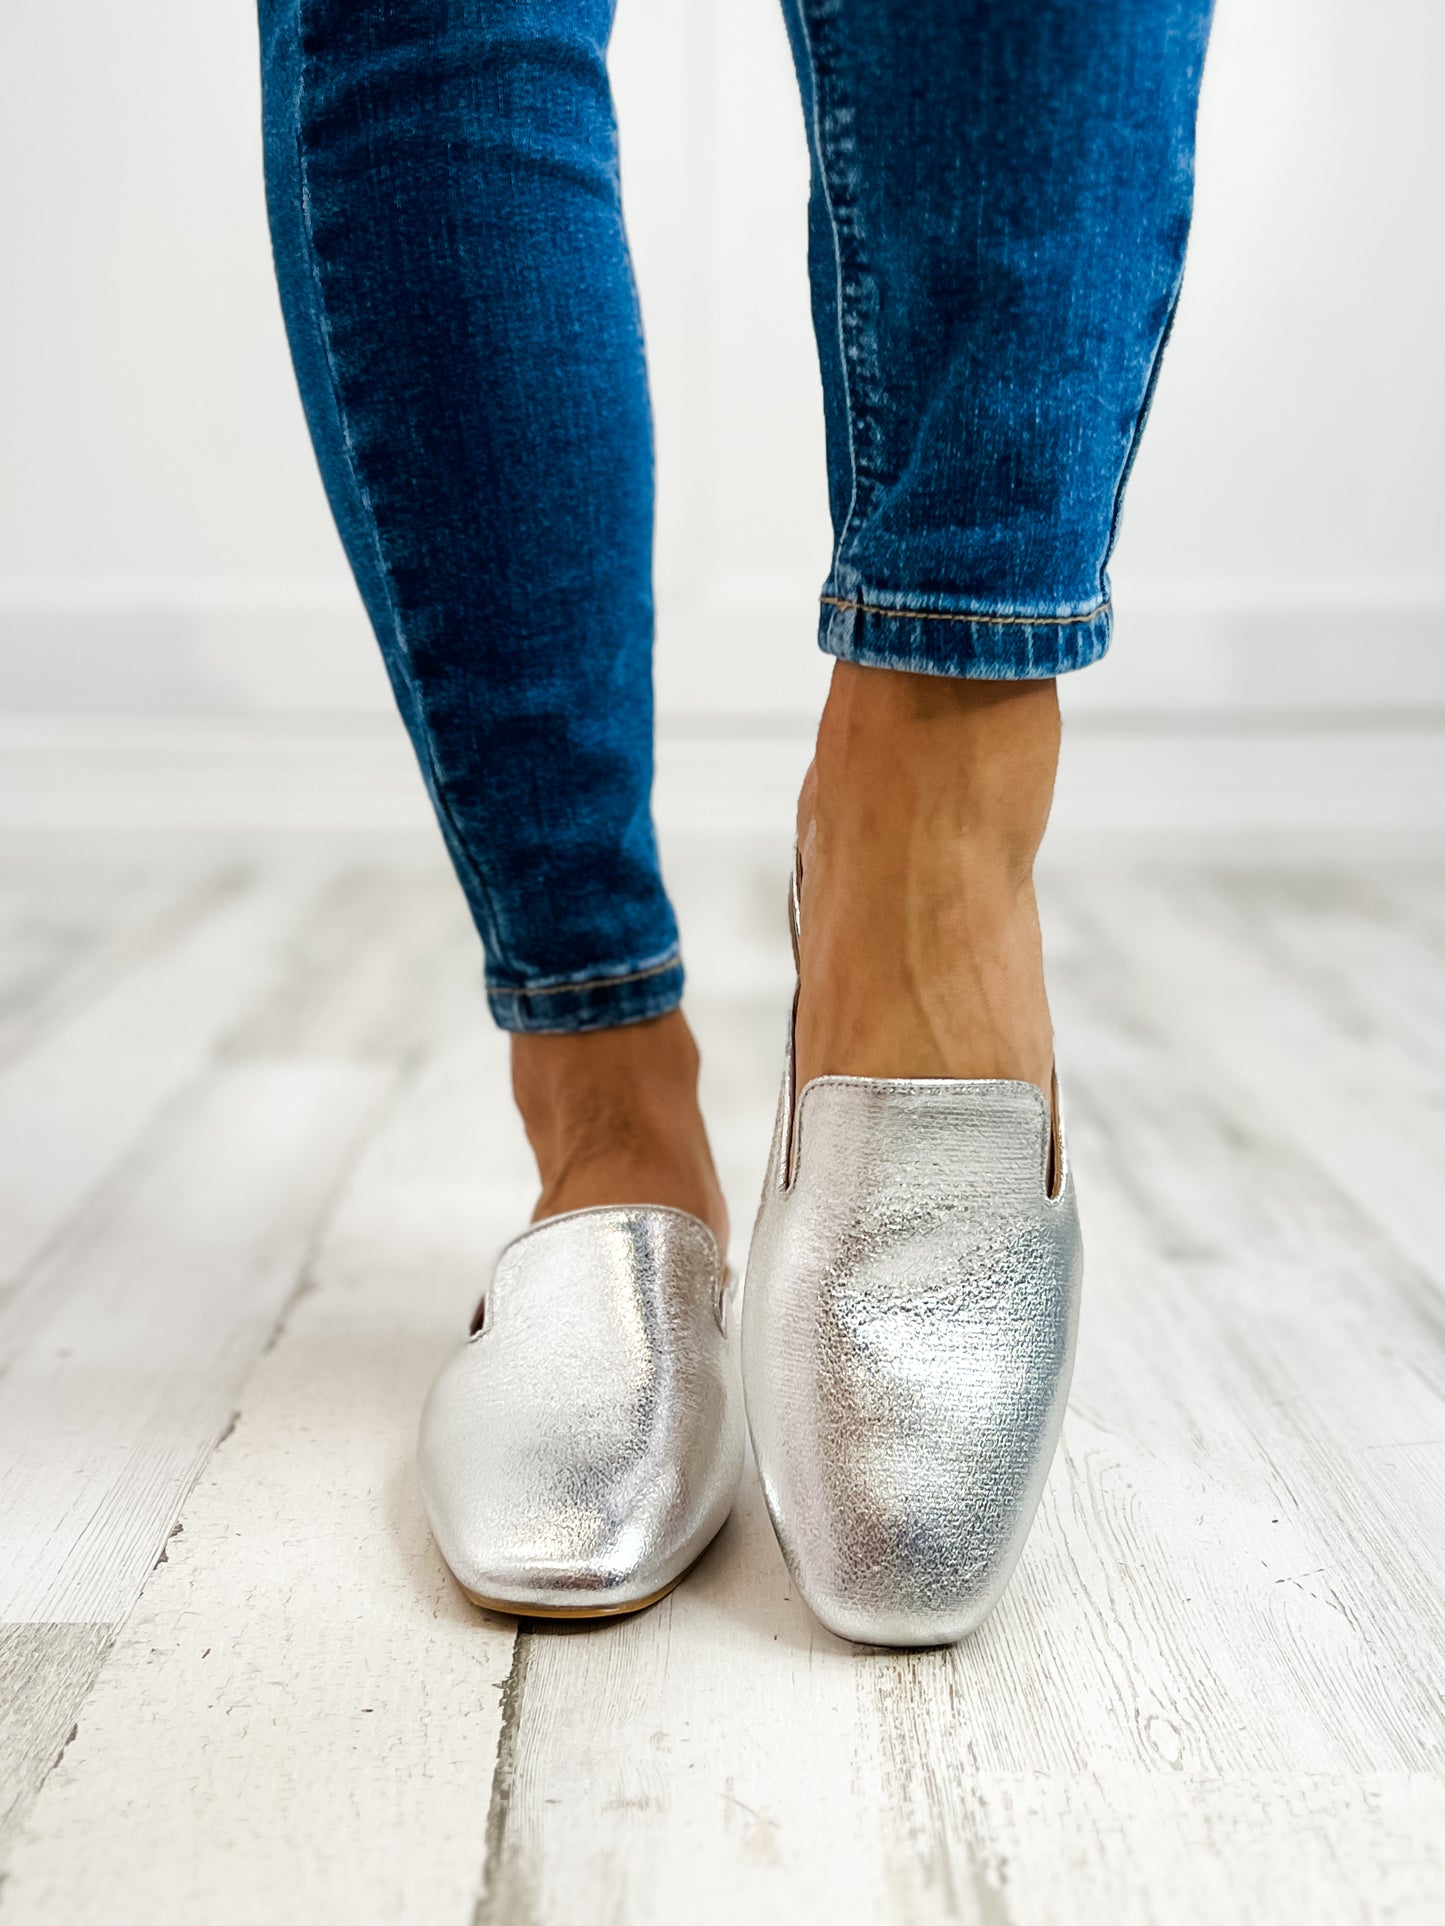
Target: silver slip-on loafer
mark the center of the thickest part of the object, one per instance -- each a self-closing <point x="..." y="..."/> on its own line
<point x="909" y="1320"/>
<point x="583" y="1448"/>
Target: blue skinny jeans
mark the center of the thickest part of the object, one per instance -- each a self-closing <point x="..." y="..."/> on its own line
<point x="1000" y="201"/>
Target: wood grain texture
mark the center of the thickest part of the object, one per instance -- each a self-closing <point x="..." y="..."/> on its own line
<point x="71" y="1106"/>
<point x="61" y="932"/>
<point x="381" y="963"/>
<point x="308" y="1710"/>
<point x="124" y="1353"/>
<point x="1299" y="1030"/>
<point x="1214" y="1689"/>
<point x="45" y="1673"/>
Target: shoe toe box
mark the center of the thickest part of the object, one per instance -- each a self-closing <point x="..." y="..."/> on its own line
<point x="579" y="1451"/>
<point x="908" y="1342"/>
<point x="538" y="1505"/>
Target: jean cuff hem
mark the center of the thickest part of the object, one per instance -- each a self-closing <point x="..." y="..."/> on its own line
<point x="601" y="1003"/>
<point x="1003" y="648"/>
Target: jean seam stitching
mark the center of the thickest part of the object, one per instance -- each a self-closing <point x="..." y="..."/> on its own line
<point x="847" y="323"/>
<point x="578" y="984"/>
<point x="979" y="617"/>
<point x="363" y="493"/>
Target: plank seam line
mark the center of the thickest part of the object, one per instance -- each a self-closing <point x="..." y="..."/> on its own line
<point x="490" y="1906"/>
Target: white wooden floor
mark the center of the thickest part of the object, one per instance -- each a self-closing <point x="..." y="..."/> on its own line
<point x="255" y="1154"/>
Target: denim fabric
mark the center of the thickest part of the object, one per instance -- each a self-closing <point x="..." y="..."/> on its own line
<point x="1001" y="198"/>
<point x="1001" y="194"/>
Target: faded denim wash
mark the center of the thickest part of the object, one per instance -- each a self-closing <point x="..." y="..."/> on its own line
<point x="1000" y="202"/>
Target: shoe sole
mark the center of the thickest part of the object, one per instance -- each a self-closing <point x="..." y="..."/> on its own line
<point x="509" y="1608"/>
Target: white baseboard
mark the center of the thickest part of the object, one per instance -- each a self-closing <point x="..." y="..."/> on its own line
<point x="1232" y="715"/>
<point x="1160" y="787"/>
<point x="751" y="658"/>
<point x="1175" y="652"/>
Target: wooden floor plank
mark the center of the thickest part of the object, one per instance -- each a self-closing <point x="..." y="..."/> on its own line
<point x="308" y="1710"/>
<point x="45" y="1673"/>
<point x="1369" y="1108"/>
<point x="703" y="1760"/>
<point x="1210" y="1692"/>
<point x="121" y="1359"/>
<point x="1236" y="1578"/>
<point x="382" y="963"/>
<point x="59" y="933"/>
<point x="1160" y="1849"/>
<point x="74" y="1104"/>
<point x="375" y="960"/>
<point x="1214" y="1663"/>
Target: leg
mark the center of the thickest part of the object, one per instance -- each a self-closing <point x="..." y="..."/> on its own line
<point x="1001" y="197"/>
<point x="443" y="191"/>
<point x="1001" y="194"/>
<point x="918" y="826"/>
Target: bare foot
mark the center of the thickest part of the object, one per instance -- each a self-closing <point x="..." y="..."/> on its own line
<point x="918" y="825"/>
<point x="612" y="1118"/>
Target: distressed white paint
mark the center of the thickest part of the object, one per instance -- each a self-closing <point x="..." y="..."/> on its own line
<point x="57" y="944"/>
<point x="1211" y="1692"/>
<point x="1318" y="1039"/>
<point x="45" y="1673"/>
<point x="73" y="1103"/>
<point x="308" y="1710"/>
<point x="122" y="1352"/>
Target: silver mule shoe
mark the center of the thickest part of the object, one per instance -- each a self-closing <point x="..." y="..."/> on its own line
<point x="583" y="1448"/>
<point x="909" y="1322"/>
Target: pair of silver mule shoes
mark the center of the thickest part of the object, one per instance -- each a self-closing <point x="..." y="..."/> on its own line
<point x="907" y="1337"/>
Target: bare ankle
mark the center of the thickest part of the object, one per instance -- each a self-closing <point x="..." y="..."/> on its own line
<point x="612" y="1117"/>
<point x="940" y="758"/>
<point x="918" y="827"/>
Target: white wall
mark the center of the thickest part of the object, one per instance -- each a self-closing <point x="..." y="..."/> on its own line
<point x="163" y="539"/>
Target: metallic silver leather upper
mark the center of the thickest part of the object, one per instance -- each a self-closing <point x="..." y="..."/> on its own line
<point x="909" y="1322"/>
<point x="583" y="1447"/>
